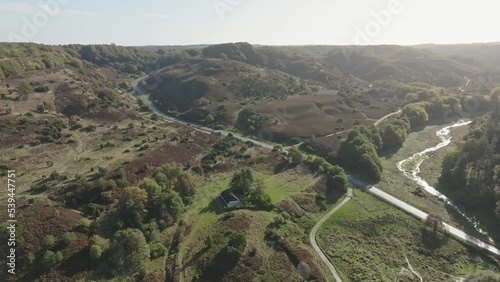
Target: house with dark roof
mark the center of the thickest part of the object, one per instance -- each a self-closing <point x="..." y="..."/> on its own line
<point x="229" y="199"/>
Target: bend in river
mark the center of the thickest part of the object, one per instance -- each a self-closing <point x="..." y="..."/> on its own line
<point x="410" y="167"/>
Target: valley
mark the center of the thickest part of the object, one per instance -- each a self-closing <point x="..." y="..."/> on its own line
<point x="116" y="144"/>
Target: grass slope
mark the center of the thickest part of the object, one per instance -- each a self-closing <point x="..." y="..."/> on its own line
<point x="369" y="240"/>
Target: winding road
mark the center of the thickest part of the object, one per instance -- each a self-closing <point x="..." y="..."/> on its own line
<point x="314" y="230"/>
<point x="354" y="181"/>
<point x="144" y="97"/>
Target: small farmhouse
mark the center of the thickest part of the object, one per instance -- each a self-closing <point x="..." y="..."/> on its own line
<point x="229" y="199"/>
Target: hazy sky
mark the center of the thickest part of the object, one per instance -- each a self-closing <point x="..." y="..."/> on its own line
<point x="273" y="22"/>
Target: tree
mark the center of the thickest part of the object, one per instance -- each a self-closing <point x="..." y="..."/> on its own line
<point x="128" y="253"/>
<point x="393" y="136"/>
<point x="236" y="246"/>
<point x="358" y="153"/>
<point x="209" y="119"/>
<point x="69" y="237"/>
<point x="23" y="91"/>
<point x="50" y="258"/>
<point x="295" y="156"/>
<point x="132" y="206"/>
<point x="337" y="179"/>
<point x="98" y="245"/>
<point x="185" y="185"/>
<point x="152" y="188"/>
<point x="151" y="231"/>
<point x="166" y="207"/>
<point x="84" y="224"/>
<point x="40" y="109"/>
<point x="417" y="114"/>
<point x="242" y="182"/>
<point x="157" y="250"/>
<point x="49" y="241"/>
<point x="259" y="197"/>
<point x="101" y="172"/>
<point x="434" y="221"/>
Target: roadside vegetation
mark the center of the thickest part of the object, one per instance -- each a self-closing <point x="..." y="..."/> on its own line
<point x="368" y="239"/>
<point x="110" y="191"/>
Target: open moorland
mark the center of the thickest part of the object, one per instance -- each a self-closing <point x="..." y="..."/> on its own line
<point x="109" y="188"/>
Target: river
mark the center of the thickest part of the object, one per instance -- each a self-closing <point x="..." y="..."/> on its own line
<point x="410" y="167"/>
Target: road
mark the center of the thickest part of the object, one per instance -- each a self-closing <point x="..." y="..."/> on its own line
<point x="422" y="215"/>
<point x="371" y="189"/>
<point x="144" y="97"/>
<point x="314" y="230"/>
<point x="376" y="123"/>
<point x="387" y="116"/>
<point x="462" y="88"/>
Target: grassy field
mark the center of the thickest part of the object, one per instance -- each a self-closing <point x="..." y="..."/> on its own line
<point x="369" y="240"/>
<point x="206" y="217"/>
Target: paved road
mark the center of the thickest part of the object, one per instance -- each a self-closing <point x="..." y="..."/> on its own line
<point x="422" y="215"/>
<point x="144" y="97"/>
<point x="314" y="230"/>
<point x="371" y="189"/>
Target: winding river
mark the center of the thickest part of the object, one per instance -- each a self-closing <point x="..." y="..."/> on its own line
<point x="410" y="167"/>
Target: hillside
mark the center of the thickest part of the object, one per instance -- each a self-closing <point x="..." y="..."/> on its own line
<point x="109" y="189"/>
<point x="469" y="174"/>
<point x="482" y="53"/>
<point x="94" y="169"/>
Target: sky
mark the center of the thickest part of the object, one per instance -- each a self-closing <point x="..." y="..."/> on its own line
<point x="267" y="22"/>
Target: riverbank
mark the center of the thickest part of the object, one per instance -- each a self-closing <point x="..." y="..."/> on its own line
<point x="397" y="184"/>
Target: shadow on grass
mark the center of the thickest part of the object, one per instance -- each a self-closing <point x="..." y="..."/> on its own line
<point x="219" y="266"/>
<point x="281" y="167"/>
<point x="433" y="241"/>
<point x="215" y="206"/>
<point x="389" y="153"/>
<point x="488" y="224"/>
<point x="77" y="263"/>
<point x="333" y="196"/>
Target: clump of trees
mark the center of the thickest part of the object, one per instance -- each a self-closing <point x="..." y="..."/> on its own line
<point x="126" y="254"/>
<point x="417" y="114"/>
<point x="336" y="179"/>
<point x="359" y="153"/>
<point x="251" y="192"/>
<point x="249" y="121"/>
<point x="471" y="174"/>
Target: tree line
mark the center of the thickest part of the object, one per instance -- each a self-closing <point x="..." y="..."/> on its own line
<point x="471" y="174"/>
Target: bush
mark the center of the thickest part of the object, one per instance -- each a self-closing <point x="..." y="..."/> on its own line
<point x="235" y="247"/>
<point x="50" y="258"/>
<point x="40" y="109"/>
<point x="49" y="241"/>
<point x="98" y="246"/>
<point x="41" y="89"/>
<point x="157" y="250"/>
<point x="69" y="237"/>
<point x="84" y="224"/>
